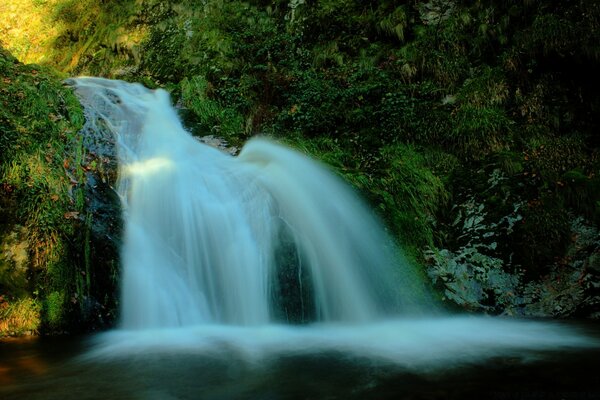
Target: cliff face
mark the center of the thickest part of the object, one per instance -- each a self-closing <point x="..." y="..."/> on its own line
<point x="470" y="126"/>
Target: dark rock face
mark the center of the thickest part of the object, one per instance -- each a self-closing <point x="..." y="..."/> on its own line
<point x="102" y="227"/>
<point x="100" y="223"/>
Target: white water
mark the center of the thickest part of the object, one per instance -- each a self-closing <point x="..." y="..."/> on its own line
<point x="203" y="244"/>
<point x="203" y="228"/>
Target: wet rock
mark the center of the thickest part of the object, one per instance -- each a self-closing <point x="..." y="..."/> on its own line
<point x="94" y="178"/>
<point x="218" y="143"/>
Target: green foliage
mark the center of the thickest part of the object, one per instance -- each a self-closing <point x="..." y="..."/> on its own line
<point x="38" y="119"/>
<point x="54" y="310"/>
<point x="162" y="59"/>
<point x="477" y="276"/>
<point x="572" y="28"/>
<point x="211" y="117"/>
<point x="480" y="123"/>
<point x="399" y="185"/>
<point x="427" y="108"/>
<point x="19" y="317"/>
<point x="94" y="37"/>
<point x="506" y="190"/>
<point x="567" y="167"/>
<point x="410" y="195"/>
<point x="571" y="286"/>
<point x="474" y="280"/>
<point x="395" y="23"/>
<point x="480" y="131"/>
<point x="316" y="107"/>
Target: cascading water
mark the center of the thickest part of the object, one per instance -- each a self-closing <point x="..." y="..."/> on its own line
<point x="215" y="245"/>
<point x="202" y="228"/>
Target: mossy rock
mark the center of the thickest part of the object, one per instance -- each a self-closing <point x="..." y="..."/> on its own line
<point x="14" y="260"/>
<point x="39" y="119"/>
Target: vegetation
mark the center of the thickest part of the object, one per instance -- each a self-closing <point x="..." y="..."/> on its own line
<point x="19" y="317"/>
<point x="470" y="126"/>
<point x="42" y="202"/>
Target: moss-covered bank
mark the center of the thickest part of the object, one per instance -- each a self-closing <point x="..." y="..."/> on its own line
<point x="45" y="274"/>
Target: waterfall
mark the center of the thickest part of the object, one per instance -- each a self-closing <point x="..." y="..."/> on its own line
<point x="212" y="238"/>
<point x="221" y="253"/>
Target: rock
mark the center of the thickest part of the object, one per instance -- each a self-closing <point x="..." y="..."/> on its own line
<point x="218" y="143"/>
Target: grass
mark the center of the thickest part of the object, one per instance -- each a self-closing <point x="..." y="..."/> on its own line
<point x="39" y="118"/>
<point x="26" y="29"/>
<point x="212" y="117"/>
<point x="19" y="317"/>
<point x="74" y="36"/>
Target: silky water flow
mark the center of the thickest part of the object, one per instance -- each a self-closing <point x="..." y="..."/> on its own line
<point x="268" y="253"/>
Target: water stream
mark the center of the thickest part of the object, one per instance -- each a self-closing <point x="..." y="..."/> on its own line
<point x="206" y="233"/>
<point x="268" y="265"/>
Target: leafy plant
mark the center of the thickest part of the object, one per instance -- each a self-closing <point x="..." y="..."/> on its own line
<point x="475" y="275"/>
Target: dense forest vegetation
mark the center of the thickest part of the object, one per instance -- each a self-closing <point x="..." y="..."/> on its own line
<point x="470" y="126"/>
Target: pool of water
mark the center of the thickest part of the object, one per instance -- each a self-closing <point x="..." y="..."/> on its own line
<point x="58" y="368"/>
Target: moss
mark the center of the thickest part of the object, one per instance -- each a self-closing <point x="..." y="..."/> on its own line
<point x="54" y="308"/>
<point x="14" y="257"/>
<point x="210" y="116"/>
<point x="412" y="105"/>
<point x="38" y="119"/>
<point x="410" y="194"/>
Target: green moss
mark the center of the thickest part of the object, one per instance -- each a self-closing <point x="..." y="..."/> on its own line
<point x="14" y="257"/>
<point x="38" y="120"/>
<point x="410" y="194"/>
<point x="210" y="115"/>
<point x="54" y="310"/>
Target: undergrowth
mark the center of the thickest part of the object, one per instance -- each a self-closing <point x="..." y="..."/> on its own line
<point x="39" y="118"/>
